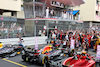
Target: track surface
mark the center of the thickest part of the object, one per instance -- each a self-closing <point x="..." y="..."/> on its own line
<point x="18" y="62"/>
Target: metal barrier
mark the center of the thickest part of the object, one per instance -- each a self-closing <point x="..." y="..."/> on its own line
<point x="27" y="40"/>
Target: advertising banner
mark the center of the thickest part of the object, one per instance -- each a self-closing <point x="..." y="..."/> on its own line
<point x="36" y="43"/>
<point x="98" y="52"/>
<point x="72" y="46"/>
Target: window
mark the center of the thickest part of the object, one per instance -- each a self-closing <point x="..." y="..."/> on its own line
<point x="97" y="2"/>
<point x="22" y="8"/>
<point x="97" y="13"/>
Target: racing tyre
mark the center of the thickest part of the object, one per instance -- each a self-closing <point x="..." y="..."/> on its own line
<point x="24" y="57"/>
<point x="42" y="59"/>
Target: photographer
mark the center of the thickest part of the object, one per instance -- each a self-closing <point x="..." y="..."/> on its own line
<point x="20" y="42"/>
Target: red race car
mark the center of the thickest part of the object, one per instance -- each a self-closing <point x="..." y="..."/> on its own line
<point x="79" y="60"/>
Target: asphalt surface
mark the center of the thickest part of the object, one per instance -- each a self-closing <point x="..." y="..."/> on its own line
<point x="18" y="62"/>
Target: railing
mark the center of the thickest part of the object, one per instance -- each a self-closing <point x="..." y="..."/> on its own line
<point x="8" y="16"/>
<point x="70" y="17"/>
<point x="27" y="40"/>
<point x="27" y="0"/>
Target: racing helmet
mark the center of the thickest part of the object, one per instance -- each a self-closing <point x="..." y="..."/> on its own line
<point x="52" y="42"/>
<point x="1" y="45"/>
<point x="83" y="52"/>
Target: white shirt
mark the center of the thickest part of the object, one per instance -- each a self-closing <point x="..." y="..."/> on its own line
<point x="79" y="17"/>
<point x="47" y="13"/>
<point x="93" y="28"/>
<point x="65" y="16"/>
<point x="62" y="14"/>
<point x="53" y="36"/>
<point x="66" y="37"/>
<point x="51" y="11"/>
<point x="64" y="43"/>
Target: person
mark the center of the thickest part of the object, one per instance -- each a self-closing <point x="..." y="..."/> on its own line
<point x="97" y="41"/>
<point x="64" y="43"/>
<point x="9" y="35"/>
<point x="17" y="35"/>
<point x="65" y="16"/>
<point x="0" y="36"/>
<point x="53" y="35"/>
<point x="93" y="41"/>
<point x="47" y="12"/>
<point x="77" y="44"/>
<point x="20" y="29"/>
<point x="57" y="41"/>
<point x="52" y="13"/>
<point x="78" y="16"/>
<point x="23" y="34"/>
<point x="62" y="14"/>
<point x="89" y="39"/>
<point x="40" y="32"/>
<point x="20" y="42"/>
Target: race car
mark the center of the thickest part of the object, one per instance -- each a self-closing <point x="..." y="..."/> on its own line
<point x="9" y="50"/>
<point x="17" y="50"/>
<point x="56" y="61"/>
<point x="42" y="55"/>
<point x="79" y="60"/>
<point x="6" y="50"/>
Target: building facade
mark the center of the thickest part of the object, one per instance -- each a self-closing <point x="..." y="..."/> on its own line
<point x="89" y="13"/>
<point x="36" y="18"/>
<point x="12" y="21"/>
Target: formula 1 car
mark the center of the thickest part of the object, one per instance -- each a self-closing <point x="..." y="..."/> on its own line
<point x="17" y="50"/>
<point x="80" y="60"/>
<point x="6" y="50"/>
<point x="56" y="61"/>
<point x="42" y="55"/>
<point x="9" y="50"/>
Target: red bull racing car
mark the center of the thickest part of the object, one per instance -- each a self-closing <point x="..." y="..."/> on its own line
<point x="43" y="55"/>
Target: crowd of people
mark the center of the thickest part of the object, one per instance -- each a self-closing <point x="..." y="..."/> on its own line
<point x="83" y="39"/>
<point x="10" y="29"/>
<point x="51" y="13"/>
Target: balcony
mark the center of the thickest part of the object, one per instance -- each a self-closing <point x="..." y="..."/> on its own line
<point x="8" y="18"/>
<point x="27" y="1"/>
<point x="97" y="18"/>
<point x="10" y="5"/>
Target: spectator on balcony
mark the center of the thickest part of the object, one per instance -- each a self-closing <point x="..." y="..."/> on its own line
<point x="62" y="14"/>
<point x="78" y="16"/>
<point x="52" y="13"/>
<point x="20" y="29"/>
<point x="47" y="12"/>
<point x="65" y="16"/>
<point x="6" y="30"/>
